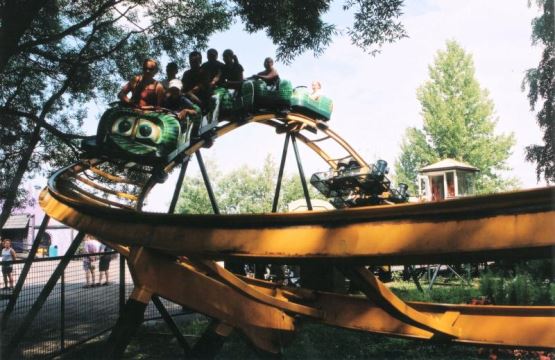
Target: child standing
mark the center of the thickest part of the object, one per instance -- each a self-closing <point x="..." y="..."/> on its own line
<point x="8" y="255"/>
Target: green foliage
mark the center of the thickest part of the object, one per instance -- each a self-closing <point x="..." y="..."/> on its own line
<point x="245" y="190"/>
<point x="520" y="283"/>
<point x="296" y="26"/>
<point x="458" y="124"/>
<point x="376" y="23"/>
<point x="56" y="56"/>
<point x="540" y="82"/>
<point x="455" y="294"/>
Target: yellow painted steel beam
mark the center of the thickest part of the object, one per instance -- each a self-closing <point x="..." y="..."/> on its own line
<point x="104" y="189"/>
<point x="244" y="288"/>
<point x="164" y="276"/>
<point x="531" y="327"/>
<point x="467" y="229"/>
<point x="380" y="295"/>
<point x="509" y="326"/>
<point x="513" y="224"/>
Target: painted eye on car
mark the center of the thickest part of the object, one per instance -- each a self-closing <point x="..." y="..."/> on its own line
<point x="123" y="126"/>
<point x="148" y="130"/>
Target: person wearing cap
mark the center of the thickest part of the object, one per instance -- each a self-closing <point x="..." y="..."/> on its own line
<point x="176" y="101"/>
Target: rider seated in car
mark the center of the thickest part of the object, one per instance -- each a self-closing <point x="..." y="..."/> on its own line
<point x="196" y="82"/>
<point x="177" y="102"/>
<point x="232" y="71"/>
<point x="145" y="90"/>
<point x="270" y="74"/>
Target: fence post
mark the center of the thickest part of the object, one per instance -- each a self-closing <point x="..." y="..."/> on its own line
<point x="62" y="311"/>
<point x="121" y="284"/>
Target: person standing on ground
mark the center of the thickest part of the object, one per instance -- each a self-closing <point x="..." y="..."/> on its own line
<point x="8" y="255"/>
<point x="89" y="247"/>
<point x="104" y="264"/>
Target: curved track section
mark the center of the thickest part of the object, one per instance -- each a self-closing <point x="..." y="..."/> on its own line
<point x="104" y="198"/>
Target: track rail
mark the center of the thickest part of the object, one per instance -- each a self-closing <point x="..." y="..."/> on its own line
<point x="104" y="198"/>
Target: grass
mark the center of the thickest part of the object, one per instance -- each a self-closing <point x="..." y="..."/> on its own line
<point x="314" y="341"/>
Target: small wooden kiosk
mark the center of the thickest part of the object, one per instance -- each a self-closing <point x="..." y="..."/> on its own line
<point x="446" y="179"/>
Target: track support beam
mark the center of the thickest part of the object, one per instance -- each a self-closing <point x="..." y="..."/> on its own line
<point x="301" y="173"/>
<point x="131" y="318"/>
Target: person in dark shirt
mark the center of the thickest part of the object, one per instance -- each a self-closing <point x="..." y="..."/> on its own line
<point x="177" y="102"/>
<point x="171" y="73"/>
<point x="232" y="71"/>
<point x="191" y="77"/>
<point x="195" y="81"/>
<point x="213" y="67"/>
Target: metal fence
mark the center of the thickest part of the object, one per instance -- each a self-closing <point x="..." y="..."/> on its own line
<point x="72" y="313"/>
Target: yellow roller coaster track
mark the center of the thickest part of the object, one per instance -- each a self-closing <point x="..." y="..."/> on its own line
<point x="99" y="197"/>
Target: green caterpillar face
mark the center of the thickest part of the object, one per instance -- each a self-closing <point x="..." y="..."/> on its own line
<point x="146" y="134"/>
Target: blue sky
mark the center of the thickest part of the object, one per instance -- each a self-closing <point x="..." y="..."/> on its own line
<point x="375" y="97"/>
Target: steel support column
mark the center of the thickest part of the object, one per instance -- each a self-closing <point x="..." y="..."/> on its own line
<point x="45" y="292"/>
<point x="211" y="342"/>
<point x="178" y="185"/>
<point x="129" y="321"/>
<point x="171" y="324"/>
<point x="280" y="174"/>
<point x="207" y="183"/>
<point x="301" y="173"/>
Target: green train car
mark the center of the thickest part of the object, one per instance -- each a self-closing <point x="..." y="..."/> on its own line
<point x="319" y="108"/>
<point x="145" y="137"/>
<point x="157" y="137"/>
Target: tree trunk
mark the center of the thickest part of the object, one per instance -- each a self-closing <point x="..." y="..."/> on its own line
<point x="21" y="168"/>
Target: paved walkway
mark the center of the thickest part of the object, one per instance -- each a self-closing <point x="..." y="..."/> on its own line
<point x="71" y="312"/>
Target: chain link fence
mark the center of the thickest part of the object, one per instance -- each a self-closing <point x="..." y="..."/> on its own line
<point x="73" y="312"/>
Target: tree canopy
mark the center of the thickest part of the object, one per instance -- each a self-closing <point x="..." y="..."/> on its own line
<point x="541" y="91"/>
<point x="57" y="56"/>
<point x="458" y="124"/>
<point x="245" y="190"/>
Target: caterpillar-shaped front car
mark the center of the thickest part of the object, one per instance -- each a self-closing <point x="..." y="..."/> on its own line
<point x="134" y="135"/>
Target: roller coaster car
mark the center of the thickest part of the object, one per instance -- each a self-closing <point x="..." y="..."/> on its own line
<point x="319" y="108"/>
<point x="156" y="137"/>
<point x="352" y="186"/>
<point x="257" y="96"/>
<point x="145" y="137"/>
